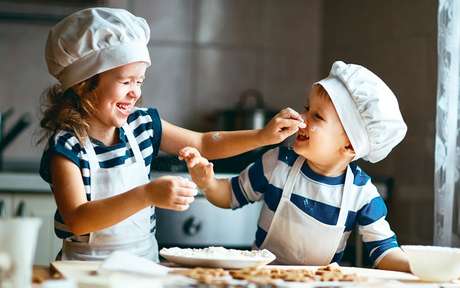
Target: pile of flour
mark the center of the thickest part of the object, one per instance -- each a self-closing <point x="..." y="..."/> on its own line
<point x="218" y="253"/>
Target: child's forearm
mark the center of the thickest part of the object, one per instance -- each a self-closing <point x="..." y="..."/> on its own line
<point x="224" y="144"/>
<point x="219" y="193"/>
<point x="83" y="219"/>
<point x="395" y="260"/>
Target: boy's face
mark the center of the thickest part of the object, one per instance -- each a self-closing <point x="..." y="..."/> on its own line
<point x="324" y="141"/>
<point x="117" y="92"/>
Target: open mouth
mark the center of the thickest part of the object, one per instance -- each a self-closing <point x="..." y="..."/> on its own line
<point x="125" y="108"/>
<point x="302" y="135"/>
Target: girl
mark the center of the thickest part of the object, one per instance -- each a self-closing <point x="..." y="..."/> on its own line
<point x="101" y="146"/>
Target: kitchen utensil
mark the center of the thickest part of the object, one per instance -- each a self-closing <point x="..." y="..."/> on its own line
<point x="18" y="239"/>
<point x="249" y="113"/>
<point x="433" y="263"/>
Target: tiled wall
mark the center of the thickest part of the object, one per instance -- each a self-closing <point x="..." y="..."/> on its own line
<point x="396" y="40"/>
<point x="204" y="53"/>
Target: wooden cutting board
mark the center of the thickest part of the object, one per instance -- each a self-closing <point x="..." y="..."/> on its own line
<point x="84" y="273"/>
<point x="72" y="269"/>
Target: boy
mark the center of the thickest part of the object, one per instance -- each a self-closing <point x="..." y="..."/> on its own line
<point x="315" y="194"/>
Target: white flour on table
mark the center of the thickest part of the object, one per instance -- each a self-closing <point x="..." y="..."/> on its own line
<point x="217" y="253"/>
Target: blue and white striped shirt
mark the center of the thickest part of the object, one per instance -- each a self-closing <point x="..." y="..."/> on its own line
<point x="146" y="126"/>
<point x="318" y="196"/>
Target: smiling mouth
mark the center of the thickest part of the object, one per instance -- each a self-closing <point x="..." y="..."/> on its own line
<point x="125" y="108"/>
<point x="302" y="136"/>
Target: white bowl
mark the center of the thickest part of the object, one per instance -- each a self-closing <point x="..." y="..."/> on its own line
<point x="433" y="263"/>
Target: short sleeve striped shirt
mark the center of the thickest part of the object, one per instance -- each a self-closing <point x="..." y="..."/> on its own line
<point x="146" y="126"/>
<point x="319" y="197"/>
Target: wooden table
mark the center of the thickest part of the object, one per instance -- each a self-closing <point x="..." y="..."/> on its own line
<point x="42" y="273"/>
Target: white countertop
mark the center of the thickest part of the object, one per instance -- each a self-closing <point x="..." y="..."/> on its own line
<point x="22" y="182"/>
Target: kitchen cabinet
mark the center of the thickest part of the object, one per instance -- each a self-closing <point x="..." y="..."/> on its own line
<point x="35" y="204"/>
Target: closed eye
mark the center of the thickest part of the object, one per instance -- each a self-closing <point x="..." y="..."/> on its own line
<point x="319" y="116"/>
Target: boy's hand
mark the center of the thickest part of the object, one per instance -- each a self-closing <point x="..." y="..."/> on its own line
<point x="171" y="192"/>
<point x="282" y="125"/>
<point x="200" y="168"/>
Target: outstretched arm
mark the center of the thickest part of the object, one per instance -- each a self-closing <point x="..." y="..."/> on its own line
<point x="395" y="260"/>
<point x="221" y="144"/>
<point x="217" y="191"/>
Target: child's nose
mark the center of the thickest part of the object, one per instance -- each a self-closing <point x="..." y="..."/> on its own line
<point x="135" y="92"/>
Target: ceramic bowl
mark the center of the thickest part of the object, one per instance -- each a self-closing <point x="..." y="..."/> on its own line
<point x="433" y="263"/>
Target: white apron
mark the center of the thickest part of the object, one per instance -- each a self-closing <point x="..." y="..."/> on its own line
<point x="132" y="234"/>
<point x="295" y="237"/>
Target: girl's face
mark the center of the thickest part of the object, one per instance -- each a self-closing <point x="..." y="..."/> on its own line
<point x="324" y="141"/>
<point x="116" y="94"/>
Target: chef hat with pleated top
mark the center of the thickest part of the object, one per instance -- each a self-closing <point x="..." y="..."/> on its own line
<point x="94" y="40"/>
<point x="367" y="108"/>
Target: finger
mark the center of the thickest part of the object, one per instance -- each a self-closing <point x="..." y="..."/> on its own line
<point x="287" y="123"/>
<point x="203" y="169"/>
<point x="186" y="192"/>
<point x="198" y="161"/>
<point x="180" y="207"/>
<point x="289" y="131"/>
<point x="185" y="183"/>
<point x="188" y="152"/>
<point x="291" y="114"/>
<point x="183" y="152"/>
<point x="191" y="161"/>
<point x="183" y="200"/>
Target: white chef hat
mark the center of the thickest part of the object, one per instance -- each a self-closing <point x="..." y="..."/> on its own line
<point x="95" y="40"/>
<point x="367" y="108"/>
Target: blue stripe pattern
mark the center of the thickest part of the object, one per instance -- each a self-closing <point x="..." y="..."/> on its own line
<point x="238" y="192"/>
<point x="142" y="121"/>
<point x="376" y="248"/>
<point x="372" y="211"/>
<point x="367" y="209"/>
<point x="257" y="177"/>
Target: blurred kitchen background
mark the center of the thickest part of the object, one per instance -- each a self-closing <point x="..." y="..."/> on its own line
<point x="206" y="53"/>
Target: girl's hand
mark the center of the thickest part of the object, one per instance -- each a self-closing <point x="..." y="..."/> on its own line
<point x="282" y="125"/>
<point x="199" y="167"/>
<point x="171" y="192"/>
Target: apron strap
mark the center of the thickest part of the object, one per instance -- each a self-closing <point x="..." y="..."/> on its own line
<point x="133" y="143"/>
<point x="92" y="159"/>
<point x="347" y="187"/>
<point x="292" y="177"/>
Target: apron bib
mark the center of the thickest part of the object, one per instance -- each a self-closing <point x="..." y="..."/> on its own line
<point x="295" y="237"/>
<point x="133" y="233"/>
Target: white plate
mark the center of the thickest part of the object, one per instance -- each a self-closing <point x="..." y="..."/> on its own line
<point x="215" y="262"/>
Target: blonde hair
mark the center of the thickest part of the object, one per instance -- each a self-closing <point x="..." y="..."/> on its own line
<point x="68" y="110"/>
